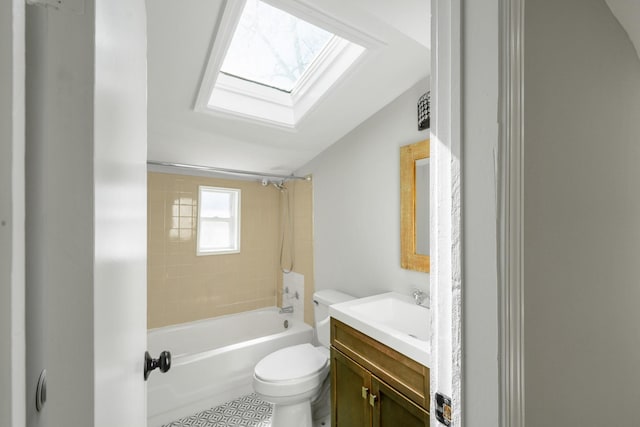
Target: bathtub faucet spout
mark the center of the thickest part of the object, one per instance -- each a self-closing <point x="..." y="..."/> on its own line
<point x="287" y="309"/>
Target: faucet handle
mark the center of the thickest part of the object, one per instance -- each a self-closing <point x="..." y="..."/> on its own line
<point x="419" y="296"/>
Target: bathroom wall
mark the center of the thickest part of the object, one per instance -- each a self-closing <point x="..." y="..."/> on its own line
<point x="12" y="212"/>
<point x="183" y="286"/>
<point x="356" y="203"/>
<point x="582" y="216"/>
<point x="303" y="242"/>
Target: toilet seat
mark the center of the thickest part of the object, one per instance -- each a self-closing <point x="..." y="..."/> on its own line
<point x="291" y="371"/>
<point x="290" y="363"/>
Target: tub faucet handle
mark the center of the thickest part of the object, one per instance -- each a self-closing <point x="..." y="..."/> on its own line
<point x="287" y="309"/>
<point x="419" y="297"/>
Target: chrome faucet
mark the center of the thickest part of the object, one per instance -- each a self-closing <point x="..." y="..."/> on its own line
<point x="420" y="297"/>
<point x="287" y="309"/>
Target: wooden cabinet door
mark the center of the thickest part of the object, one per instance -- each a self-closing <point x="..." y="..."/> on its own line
<point x="350" y="385"/>
<point x="392" y="409"/>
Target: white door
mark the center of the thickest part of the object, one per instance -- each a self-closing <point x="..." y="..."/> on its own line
<point x="86" y="212"/>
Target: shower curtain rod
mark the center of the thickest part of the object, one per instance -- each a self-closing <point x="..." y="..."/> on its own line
<point x="226" y="171"/>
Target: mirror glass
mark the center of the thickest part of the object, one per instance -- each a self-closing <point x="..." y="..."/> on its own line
<point x="422" y="207"/>
<point x="414" y="206"/>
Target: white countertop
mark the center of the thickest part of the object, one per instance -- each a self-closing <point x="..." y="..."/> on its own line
<point x="393" y="319"/>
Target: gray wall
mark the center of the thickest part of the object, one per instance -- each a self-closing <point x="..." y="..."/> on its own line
<point x="12" y="257"/>
<point x="356" y="203"/>
<point x="6" y="235"/>
<point x="60" y="214"/>
<point x="582" y="216"/>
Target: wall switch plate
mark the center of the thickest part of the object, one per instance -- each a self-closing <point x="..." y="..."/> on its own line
<point x="443" y="409"/>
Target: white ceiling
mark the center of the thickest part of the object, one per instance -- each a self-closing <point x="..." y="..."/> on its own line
<point x="180" y="36"/>
<point x="628" y="14"/>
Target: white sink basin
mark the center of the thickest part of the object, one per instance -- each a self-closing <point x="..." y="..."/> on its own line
<point x="391" y="318"/>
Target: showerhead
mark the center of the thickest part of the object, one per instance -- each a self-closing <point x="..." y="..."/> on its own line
<point x="280" y="185"/>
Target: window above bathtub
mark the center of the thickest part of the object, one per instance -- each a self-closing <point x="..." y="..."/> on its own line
<point x="273" y="60"/>
<point x="218" y="221"/>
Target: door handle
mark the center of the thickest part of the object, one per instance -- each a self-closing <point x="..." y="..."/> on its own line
<point x="41" y="391"/>
<point x="163" y="363"/>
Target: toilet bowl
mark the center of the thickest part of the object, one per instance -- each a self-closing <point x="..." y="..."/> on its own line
<point x="294" y="377"/>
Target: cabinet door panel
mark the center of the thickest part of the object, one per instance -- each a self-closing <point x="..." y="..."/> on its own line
<point x="349" y="408"/>
<point x="400" y="372"/>
<point x="393" y="409"/>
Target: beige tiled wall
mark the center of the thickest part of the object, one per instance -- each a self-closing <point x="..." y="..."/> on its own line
<point x="301" y="197"/>
<point x="303" y="241"/>
<point x="183" y="286"/>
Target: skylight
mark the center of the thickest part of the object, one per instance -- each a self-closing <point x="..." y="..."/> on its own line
<point x="272" y="47"/>
<point x="272" y="67"/>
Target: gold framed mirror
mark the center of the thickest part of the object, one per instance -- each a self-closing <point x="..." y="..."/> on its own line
<point x="414" y="206"/>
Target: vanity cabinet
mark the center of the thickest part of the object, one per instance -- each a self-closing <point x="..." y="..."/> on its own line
<point x="374" y="385"/>
<point x="350" y="385"/>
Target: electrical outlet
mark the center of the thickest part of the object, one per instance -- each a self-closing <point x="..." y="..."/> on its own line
<point x="443" y="409"/>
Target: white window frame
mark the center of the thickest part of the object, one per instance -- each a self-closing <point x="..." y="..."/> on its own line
<point x="236" y="194"/>
<point x="226" y="96"/>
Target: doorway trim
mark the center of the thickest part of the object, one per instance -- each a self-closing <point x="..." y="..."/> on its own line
<point x="511" y="215"/>
<point x="446" y="226"/>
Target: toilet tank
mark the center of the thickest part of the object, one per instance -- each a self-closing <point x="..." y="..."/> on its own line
<point x="321" y="302"/>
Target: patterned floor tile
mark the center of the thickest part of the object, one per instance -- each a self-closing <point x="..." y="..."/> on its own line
<point x="247" y="411"/>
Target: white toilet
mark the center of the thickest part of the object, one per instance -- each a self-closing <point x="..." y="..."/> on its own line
<point x="296" y="378"/>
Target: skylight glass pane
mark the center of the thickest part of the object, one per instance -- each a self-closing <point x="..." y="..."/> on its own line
<point x="272" y="47"/>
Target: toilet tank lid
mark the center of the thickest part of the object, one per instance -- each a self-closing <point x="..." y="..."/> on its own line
<point x="330" y="296"/>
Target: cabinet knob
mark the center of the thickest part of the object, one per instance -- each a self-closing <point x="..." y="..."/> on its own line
<point x="365" y="393"/>
<point x="372" y="399"/>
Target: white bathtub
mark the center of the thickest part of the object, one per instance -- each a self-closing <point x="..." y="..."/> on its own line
<point x="213" y="360"/>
